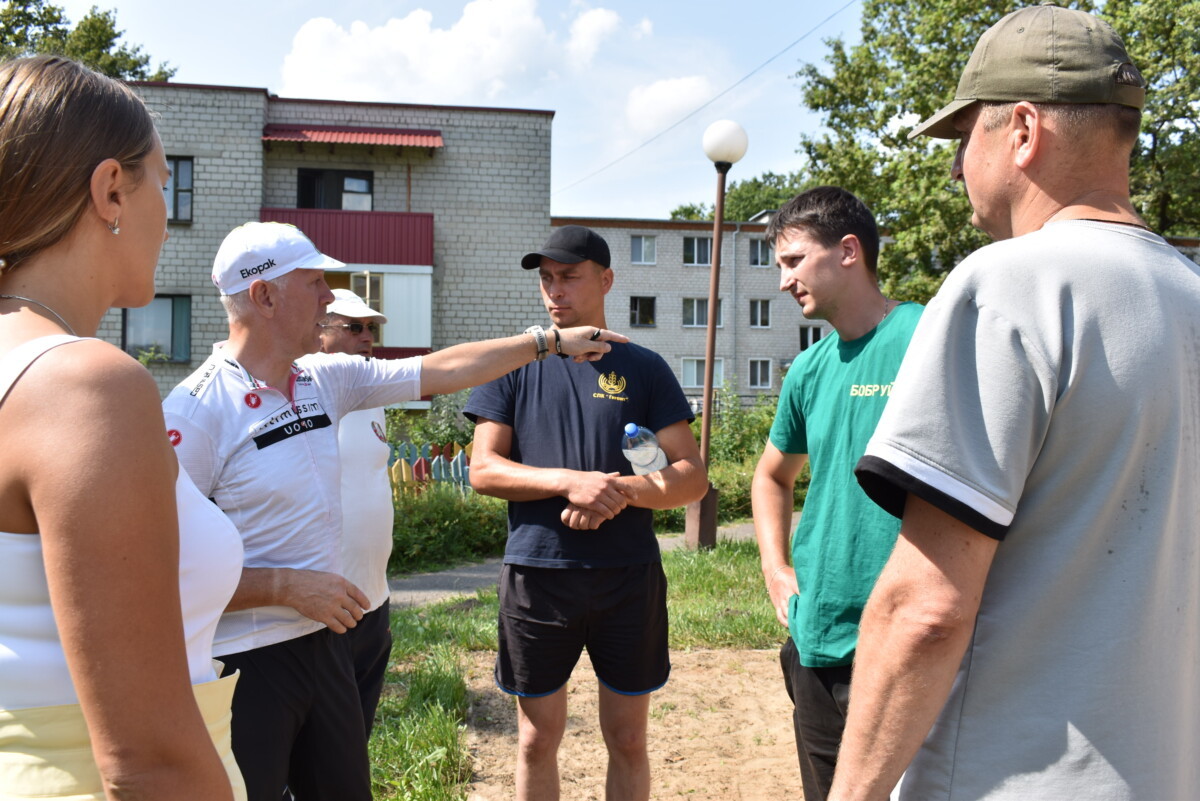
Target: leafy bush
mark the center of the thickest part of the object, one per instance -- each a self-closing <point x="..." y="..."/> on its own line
<point x="440" y="527"/>
<point x="732" y="481"/>
<point x="443" y="423"/>
<point x="738" y="432"/>
<point x="736" y="440"/>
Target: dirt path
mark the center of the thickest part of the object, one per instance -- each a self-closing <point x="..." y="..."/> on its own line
<point x="720" y="730"/>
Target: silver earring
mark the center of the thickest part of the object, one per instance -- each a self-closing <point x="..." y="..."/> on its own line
<point x="3" y="264"/>
<point x="114" y="227"/>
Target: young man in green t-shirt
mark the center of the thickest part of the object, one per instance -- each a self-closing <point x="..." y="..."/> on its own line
<point x="827" y="245"/>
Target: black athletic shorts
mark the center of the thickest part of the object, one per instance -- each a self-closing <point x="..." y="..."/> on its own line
<point x="549" y="615"/>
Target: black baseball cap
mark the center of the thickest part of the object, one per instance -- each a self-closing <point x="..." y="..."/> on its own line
<point x="571" y="244"/>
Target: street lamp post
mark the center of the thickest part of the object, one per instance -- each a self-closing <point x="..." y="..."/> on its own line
<point x="725" y="143"/>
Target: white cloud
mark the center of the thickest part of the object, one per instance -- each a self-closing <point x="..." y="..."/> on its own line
<point x="651" y="108"/>
<point x="497" y="48"/>
<point x="587" y="32"/>
<point x="644" y="29"/>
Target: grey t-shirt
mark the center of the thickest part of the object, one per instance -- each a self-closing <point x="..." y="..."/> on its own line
<point x="1051" y="398"/>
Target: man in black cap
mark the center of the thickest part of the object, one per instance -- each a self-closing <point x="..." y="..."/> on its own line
<point x="1035" y="632"/>
<point x="581" y="568"/>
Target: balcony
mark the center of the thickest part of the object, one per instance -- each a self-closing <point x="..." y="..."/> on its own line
<point x="363" y="237"/>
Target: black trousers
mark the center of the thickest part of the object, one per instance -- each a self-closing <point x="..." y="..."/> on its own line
<point x="371" y="647"/>
<point x="821" y="697"/>
<point x="297" y="721"/>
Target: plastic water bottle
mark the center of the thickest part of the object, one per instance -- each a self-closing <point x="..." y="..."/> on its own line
<point x="640" y="447"/>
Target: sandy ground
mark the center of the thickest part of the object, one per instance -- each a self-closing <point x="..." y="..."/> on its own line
<point x="721" y="730"/>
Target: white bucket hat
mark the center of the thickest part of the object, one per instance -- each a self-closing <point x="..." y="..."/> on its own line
<point x="347" y="304"/>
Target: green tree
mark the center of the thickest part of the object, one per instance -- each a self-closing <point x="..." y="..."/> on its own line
<point x="744" y="199"/>
<point x="692" y="211"/>
<point x="907" y="67"/>
<point x="1163" y="39"/>
<point x="28" y="27"/>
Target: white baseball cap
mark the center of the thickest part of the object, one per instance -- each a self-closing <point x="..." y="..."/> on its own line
<point x="265" y="251"/>
<point x="347" y="304"/>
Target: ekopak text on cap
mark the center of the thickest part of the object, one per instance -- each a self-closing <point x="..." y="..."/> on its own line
<point x="265" y="251"/>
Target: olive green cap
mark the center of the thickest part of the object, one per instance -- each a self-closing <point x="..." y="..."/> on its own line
<point x="1043" y="54"/>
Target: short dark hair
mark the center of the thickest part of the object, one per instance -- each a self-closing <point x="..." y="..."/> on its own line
<point x="828" y="213"/>
<point x="1123" y="123"/>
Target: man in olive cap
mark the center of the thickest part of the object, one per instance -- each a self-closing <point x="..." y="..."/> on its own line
<point x="1036" y="630"/>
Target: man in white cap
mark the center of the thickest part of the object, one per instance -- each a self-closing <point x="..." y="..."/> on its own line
<point x="257" y="433"/>
<point x="1035" y="633"/>
<point x="351" y="326"/>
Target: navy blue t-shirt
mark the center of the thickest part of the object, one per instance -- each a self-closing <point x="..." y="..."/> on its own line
<point x="572" y="415"/>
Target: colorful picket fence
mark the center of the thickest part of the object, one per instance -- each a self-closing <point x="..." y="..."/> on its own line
<point x="414" y="467"/>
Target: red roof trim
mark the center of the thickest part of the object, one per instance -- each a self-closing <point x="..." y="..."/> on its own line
<point x="340" y="134"/>
<point x="679" y="225"/>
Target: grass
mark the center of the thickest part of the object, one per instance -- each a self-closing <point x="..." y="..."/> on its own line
<point x="418" y="748"/>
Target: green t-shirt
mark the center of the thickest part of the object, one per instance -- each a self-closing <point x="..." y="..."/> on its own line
<point x="832" y="398"/>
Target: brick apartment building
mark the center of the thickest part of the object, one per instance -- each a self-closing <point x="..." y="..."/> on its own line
<point x="431" y="208"/>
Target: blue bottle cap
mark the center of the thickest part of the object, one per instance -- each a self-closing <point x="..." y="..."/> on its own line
<point x="631" y="430"/>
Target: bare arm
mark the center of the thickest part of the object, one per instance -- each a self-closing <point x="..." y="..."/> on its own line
<point x="914" y="632"/>
<point x="324" y="597"/>
<point x="494" y="473"/>
<point x="772" y="497"/>
<point x="473" y="363"/>
<point x="104" y="500"/>
<point x="682" y="481"/>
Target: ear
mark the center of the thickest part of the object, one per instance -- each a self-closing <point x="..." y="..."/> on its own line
<point x="106" y="190"/>
<point x="606" y="280"/>
<point x="1025" y="134"/>
<point x="851" y="250"/>
<point x="262" y="295"/>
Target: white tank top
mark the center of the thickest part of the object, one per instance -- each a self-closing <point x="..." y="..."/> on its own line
<point x="33" y="669"/>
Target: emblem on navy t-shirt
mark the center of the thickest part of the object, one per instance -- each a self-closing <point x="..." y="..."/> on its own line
<point x="613" y="386"/>
<point x="378" y="429"/>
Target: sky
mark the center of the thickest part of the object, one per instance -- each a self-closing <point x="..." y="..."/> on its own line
<point x="617" y="73"/>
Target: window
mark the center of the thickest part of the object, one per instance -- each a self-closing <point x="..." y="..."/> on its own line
<point x="369" y="287"/>
<point x="695" y="313"/>
<point x="760" y="253"/>
<point x="760" y="314"/>
<point x="697" y="251"/>
<point x="641" y="249"/>
<point x="809" y="334"/>
<point x="641" y="312"/>
<point x="693" y="373"/>
<point x="179" y="189"/>
<point x="760" y="373"/>
<point x="335" y="189"/>
<point x="160" y="332"/>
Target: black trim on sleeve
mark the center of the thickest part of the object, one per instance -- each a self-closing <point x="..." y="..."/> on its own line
<point x="889" y="486"/>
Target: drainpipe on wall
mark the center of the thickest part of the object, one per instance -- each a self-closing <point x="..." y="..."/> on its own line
<point x="733" y="277"/>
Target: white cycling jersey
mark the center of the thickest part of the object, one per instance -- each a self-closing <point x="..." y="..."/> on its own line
<point x="272" y="465"/>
